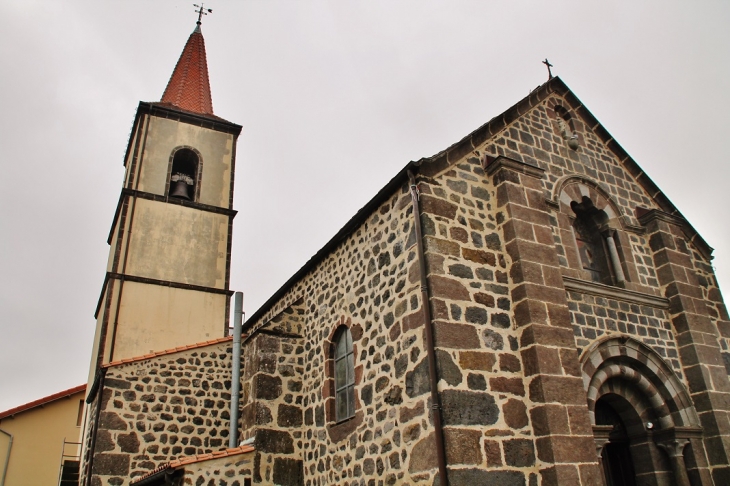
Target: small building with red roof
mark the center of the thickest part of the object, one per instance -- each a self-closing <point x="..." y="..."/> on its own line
<point x="39" y="437"/>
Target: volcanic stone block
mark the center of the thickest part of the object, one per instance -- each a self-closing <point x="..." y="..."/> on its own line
<point x="468" y="408"/>
<point x="447" y="369"/>
<point x="267" y="387"/>
<point x="462" y="446"/>
<point x="417" y="382"/>
<point x="288" y="472"/>
<point x="111" y="421"/>
<point x="515" y="413"/>
<point x="128" y="442"/>
<point x="111" y="465"/>
<point x="274" y="441"/>
<point x="289" y="416"/>
<point x="480" y="476"/>
<point x="519" y="452"/>
<point x="423" y="456"/>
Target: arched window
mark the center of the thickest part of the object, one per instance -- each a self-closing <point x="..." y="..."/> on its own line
<point x="344" y="376"/>
<point x="589" y="240"/>
<point x="184" y="174"/>
<point x="591" y="247"/>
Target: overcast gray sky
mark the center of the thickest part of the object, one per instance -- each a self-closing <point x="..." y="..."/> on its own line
<point x="334" y="98"/>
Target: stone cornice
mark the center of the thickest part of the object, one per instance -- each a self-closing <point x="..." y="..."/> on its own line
<point x="502" y="162"/>
<point x="616" y="293"/>
<point x="646" y="217"/>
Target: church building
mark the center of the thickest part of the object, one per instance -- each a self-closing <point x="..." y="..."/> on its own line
<point x="525" y="307"/>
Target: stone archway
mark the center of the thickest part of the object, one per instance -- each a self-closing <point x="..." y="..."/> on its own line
<point x="641" y="414"/>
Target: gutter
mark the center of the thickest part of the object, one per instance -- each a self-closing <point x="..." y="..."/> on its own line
<point x="7" y="458"/>
<point x="428" y="327"/>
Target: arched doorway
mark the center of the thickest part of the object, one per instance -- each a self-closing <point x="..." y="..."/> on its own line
<point x="617" y="460"/>
<point x="641" y="414"/>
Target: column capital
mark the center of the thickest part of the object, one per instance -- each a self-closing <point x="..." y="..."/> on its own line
<point x="673" y="447"/>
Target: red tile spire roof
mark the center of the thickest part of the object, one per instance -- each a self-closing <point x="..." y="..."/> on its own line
<point x="188" y="88"/>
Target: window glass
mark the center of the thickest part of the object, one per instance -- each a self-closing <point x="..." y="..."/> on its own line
<point x="344" y="376"/>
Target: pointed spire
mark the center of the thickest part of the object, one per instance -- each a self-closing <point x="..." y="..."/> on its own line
<point x="189" y="88"/>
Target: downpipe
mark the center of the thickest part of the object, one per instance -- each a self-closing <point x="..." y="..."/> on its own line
<point x="236" y="368"/>
<point x="7" y="457"/>
<point x="428" y="325"/>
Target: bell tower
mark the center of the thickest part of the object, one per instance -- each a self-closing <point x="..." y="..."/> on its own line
<point x="168" y="272"/>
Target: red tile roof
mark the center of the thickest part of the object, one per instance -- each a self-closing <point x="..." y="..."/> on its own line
<point x="184" y="461"/>
<point x="42" y="401"/>
<point x="188" y="87"/>
<point x="168" y="351"/>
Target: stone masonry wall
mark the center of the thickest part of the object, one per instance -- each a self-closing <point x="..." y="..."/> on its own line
<point x="596" y="317"/>
<point x="234" y="470"/>
<point x="535" y="138"/>
<point x="483" y="393"/>
<point x="371" y="282"/>
<point x="162" y="408"/>
<point x="272" y="412"/>
<point x="368" y="284"/>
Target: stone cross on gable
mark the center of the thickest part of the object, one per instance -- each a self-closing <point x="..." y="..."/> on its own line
<point x="547" y="63"/>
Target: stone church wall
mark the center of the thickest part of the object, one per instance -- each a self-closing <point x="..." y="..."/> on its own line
<point x="161" y="408"/>
<point x="507" y="334"/>
<point x="370" y="284"/>
<point x="535" y="139"/>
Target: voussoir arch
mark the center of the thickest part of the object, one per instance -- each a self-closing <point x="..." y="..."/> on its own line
<point x="573" y="188"/>
<point x="623" y="359"/>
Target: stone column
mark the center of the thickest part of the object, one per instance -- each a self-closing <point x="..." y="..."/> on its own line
<point x="675" y="450"/>
<point x="565" y="447"/>
<point x="600" y="434"/>
<point x="697" y="337"/>
<point x="615" y="260"/>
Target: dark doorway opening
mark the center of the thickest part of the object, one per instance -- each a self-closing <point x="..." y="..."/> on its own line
<point x="618" y="464"/>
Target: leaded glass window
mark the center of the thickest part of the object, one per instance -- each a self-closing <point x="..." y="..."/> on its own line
<point x="344" y="376"/>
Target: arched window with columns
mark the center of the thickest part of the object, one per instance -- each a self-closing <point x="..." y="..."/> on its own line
<point x="589" y="226"/>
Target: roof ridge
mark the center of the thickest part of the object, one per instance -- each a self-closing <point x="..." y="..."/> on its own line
<point x="42" y="401"/>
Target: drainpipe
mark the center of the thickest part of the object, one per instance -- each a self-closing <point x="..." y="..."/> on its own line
<point x="95" y="426"/>
<point x="430" y="348"/>
<point x="236" y="368"/>
<point x="7" y="458"/>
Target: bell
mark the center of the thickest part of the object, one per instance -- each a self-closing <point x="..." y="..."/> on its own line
<point x="180" y="189"/>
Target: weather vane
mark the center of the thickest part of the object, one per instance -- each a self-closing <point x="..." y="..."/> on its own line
<point x="202" y="11"/>
<point x="547" y="63"/>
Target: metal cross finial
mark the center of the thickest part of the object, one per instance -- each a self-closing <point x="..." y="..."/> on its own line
<point x="201" y="11"/>
<point x="547" y="63"/>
